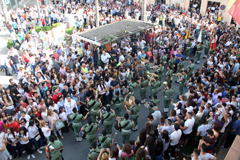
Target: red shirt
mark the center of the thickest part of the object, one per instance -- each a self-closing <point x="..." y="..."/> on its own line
<point x="148" y="37"/>
<point x="56" y="56"/>
<point x="15" y="125"/>
<point x="26" y="57"/>
<point x="43" y="21"/>
<point x="55" y="97"/>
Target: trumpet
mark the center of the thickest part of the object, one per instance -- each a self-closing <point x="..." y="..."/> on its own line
<point x="151" y="78"/>
<point x="165" y="83"/>
<point x="152" y="74"/>
<point x="176" y="74"/>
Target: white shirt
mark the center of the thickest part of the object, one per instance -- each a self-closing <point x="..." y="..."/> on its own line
<point x="32" y="131"/>
<point x="105" y="58"/>
<point x="170" y="129"/>
<point x="63" y="116"/>
<point x="189" y="123"/>
<point x="45" y="131"/>
<point x="22" y="141"/>
<point x="55" y="107"/>
<point x="175" y="137"/>
<point x="69" y="106"/>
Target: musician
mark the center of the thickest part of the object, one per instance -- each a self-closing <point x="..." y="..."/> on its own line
<point x="189" y="44"/>
<point x="107" y="119"/>
<point x="54" y="149"/>
<point x="180" y="65"/>
<point x="143" y="88"/>
<point x="169" y="75"/>
<point x="199" y="52"/>
<point x="160" y="71"/>
<point x="190" y="68"/>
<point x="206" y="47"/>
<point x="134" y="113"/>
<point x="172" y="61"/>
<point x="155" y="86"/>
<point x="154" y="102"/>
<point x="94" y="152"/>
<point x="163" y="59"/>
<point x="76" y="122"/>
<point x="168" y="92"/>
<point x="130" y="88"/>
<point x="94" y="106"/>
<point x="181" y="79"/>
<point x="90" y="130"/>
<point x="147" y="64"/>
<point x="104" y="141"/>
<point x="117" y="102"/>
<point x="125" y="126"/>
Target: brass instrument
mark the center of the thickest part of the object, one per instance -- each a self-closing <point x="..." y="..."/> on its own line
<point x="151" y="78"/>
<point x="151" y="74"/>
<point x="165" y="83"/>
<point x="176" y="74"/>
<point x="143" y="60"/>
<point x="130" y="102"/>
<point x="139" y="81"/>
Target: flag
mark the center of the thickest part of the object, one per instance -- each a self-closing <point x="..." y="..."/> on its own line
<point x="200" y="36"/>
<point x="233" y="9"/>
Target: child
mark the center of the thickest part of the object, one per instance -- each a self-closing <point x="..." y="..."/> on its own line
<point x="63" y="117"/>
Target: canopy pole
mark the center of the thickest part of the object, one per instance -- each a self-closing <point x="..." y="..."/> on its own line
<point x="88" y="40"/>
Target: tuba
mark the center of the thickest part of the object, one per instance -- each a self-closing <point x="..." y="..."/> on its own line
<point x="130" y="102"/>
<point x="165" y="83"/>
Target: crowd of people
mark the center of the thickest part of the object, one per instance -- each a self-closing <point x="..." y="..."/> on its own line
<point x="59" y="86"/>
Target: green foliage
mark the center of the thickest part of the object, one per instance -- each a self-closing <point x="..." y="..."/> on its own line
<point x="69" y="30"/>
<point x="37" y="29"/>
<point x="56" y="25"/>
<point x="47" y="28"/>
<point x="10" y="44"/>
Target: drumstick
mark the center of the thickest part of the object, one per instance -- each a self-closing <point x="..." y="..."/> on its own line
<point x="115" y="135"/>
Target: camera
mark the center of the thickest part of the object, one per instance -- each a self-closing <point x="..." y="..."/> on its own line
<point x="115" y="143"/>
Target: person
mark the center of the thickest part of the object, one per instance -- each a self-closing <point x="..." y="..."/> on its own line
<point x="24" y="142"/>
<point x="94" y="152"/>
<point x="205" y="156"/>
<point x="175" y="138"/>
<point x="76" y="122"/>
<point x="94" y="105"/>
<point x="90" y="130"/>
<point x="69" y="105"/>
<point x="188" y="126"/>
<point x="107" y="119"/>
<point x="105" y="141"/>
<point x="134" y="112"/>
<point x="235" y="130"/>
<point x="3" y="150"/>
<point x="45" y="129"/>
<point x="126" y="126"/>
<point x="155" y="86"/>
<point x="54" y="149"/>
<point x="168" y="92"/>
<point x="153" y="103"/>
<point x="143" y="89"/>
<point x="181" y="80"/>
<point x="199" y="52"/>
<point x="12" y="142"/>
<point x="117" y="101"/>
<point x="169" y="75"/>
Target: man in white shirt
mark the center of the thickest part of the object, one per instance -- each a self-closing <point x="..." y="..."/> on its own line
<point x="69" y="105"/>
<point x="169" y="127"/>
<point x="156" y="115"/>
<point x="105" y="57"/>
<point x="188" y="126"/>
<point x="175" y="137"/>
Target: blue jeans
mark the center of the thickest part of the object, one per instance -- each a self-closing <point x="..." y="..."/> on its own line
<point x="95" y="62"/>
<point x="14" y="148"/>
<point x="191" y="51"/>
<point x="107" y="98"/>
<point x="36" y="143"/>
<point x="6" y="69"/>
<point x="14" y="67"/>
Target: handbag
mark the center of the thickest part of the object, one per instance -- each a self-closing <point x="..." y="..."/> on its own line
<point x="59" y="125"/>
<point x="37" y="137"/>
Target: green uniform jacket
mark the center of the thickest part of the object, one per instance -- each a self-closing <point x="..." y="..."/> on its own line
<point x="117" y="103"/>
<point x="108" y="121"/>
<point x="77" y="120"/>
<point x="55" y="146"/>
<point x="183" y="78"/>
<point x="192" y="65"/>
<point x="92" y="133"/>
<point x="144" y="84"/>
<point x="106" y="143"/>
<point x="131" y="87"/>
<point x="156" y="85"/>
<point x="93" y="154"/>
<point x="200" y="48"/>
<point x="169" y="73"/>
<point x="163" y="59"/>
<point x="153" y="103"/>
<point x="95" y="107"/>
<point x="160" y="72"/>
<point x="180" y="66"/>
<point x="168" y="94"/>
<point x="127" y="128"/>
